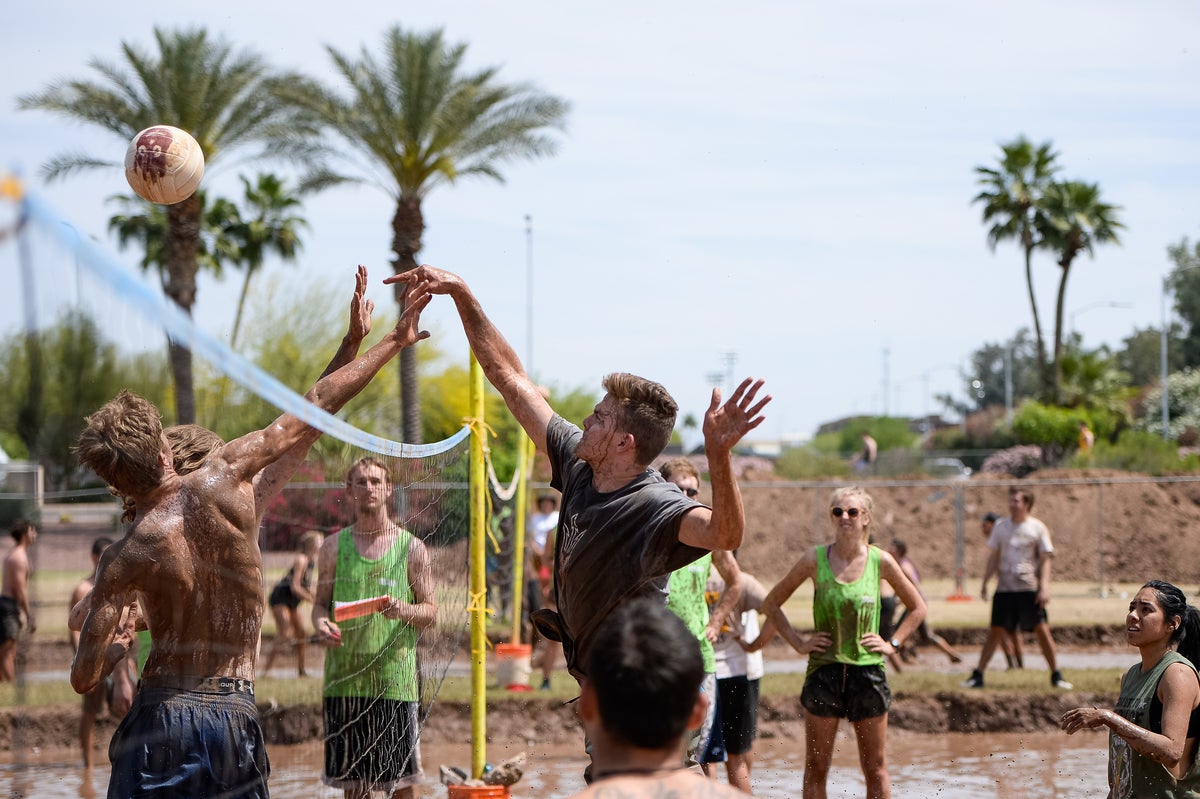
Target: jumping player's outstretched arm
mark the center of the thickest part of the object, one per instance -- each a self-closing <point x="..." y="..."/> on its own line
<point x="724" y="426"/>
<point x="273" y="478"/>
<point x="255" y="451"/>
<point x="496" y="356"/>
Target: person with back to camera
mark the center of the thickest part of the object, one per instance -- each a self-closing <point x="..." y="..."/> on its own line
<point x="15" y="610"/>
<point x="1154" y="727"/>
<point x="845" y="677"/>
<point x="640" y="698"/>
<point x="1021" y="552"/>
<point x="295" y="587"/>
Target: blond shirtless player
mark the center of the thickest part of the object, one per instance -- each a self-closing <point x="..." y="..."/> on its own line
<point x="191" y="558"/>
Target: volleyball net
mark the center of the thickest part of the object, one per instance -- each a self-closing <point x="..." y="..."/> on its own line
<point x="80" y="323"/>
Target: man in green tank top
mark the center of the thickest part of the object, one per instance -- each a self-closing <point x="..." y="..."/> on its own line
<point x="371" y="695"/>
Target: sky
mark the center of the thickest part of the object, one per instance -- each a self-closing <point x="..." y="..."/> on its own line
<point x="785" y="187"/>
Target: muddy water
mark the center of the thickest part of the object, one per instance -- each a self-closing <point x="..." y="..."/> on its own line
<point x="955" y="766"/>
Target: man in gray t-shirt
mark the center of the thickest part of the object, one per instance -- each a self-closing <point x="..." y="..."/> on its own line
<point x="621" y="526"/>
<point x="1020" y="559"/>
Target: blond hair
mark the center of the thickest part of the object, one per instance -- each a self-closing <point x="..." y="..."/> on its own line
<point x="121" y="443"/>
<point x="855" y="491"/>
<point x="191" y="445"/>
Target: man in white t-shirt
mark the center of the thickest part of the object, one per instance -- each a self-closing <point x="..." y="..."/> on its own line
<point x="1020" y="555"/>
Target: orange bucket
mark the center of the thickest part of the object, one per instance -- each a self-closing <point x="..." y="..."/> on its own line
<point x="513" y="666"/>
<point x="477" y="791"/>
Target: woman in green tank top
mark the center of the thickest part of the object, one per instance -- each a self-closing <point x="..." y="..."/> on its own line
<point x="845" y="676"/>
<point x="1153" y="729"/>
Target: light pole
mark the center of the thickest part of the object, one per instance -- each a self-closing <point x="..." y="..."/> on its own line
<point x="529" y="293"/>
<point x="1093" y="305"/>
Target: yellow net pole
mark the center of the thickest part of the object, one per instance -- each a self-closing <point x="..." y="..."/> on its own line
<point x="478" y="577"/>
<point x="518" y="560"/>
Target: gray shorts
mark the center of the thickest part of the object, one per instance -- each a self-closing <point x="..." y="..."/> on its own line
<point x="855" y="693"/>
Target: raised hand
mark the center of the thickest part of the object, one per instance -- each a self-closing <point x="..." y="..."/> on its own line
<point x="416" y="298"/>
<point x="724" y="425"/>
<point x="436" y="281"/>
<point x="360" y="308"/>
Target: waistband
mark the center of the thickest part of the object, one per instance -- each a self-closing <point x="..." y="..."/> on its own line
<point x="202" y="685"/>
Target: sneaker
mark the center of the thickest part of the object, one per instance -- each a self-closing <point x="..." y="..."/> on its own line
<point x="1056" y="680"/>
<point x="974" y="681"/>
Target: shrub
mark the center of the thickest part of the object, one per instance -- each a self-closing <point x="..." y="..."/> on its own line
<point x="1138" y="451"/>
<point x="1017" y="461"/>
<point x="802" y="463"/>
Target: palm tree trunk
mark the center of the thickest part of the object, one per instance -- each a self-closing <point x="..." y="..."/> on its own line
<point x="180" y="249"/>
<point x="408" y="225"/>
<point x="1043" y="371"/>
<point x="1064" y="263"/>
<point x="241" y="306"/>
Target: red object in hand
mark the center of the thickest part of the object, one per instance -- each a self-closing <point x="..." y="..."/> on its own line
<point x="359" y="607"/>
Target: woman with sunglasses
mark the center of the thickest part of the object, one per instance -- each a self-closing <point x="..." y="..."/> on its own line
<point x="1153" y="730"/>
<point x="845" y="677"/>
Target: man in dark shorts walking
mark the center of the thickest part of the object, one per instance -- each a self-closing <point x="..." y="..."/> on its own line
<point x="1020" y="555"/>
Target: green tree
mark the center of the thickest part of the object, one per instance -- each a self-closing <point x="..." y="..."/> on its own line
<point x="1140" y="355"/>
<point x="81" y="370"/>
<point x="1072" y="219"/>
<point x="416" y="119"/>
<point x="1011" y="193"/>
<point x="266" y="226"/>
<point x="1184" y="282"/>
<point x="226" y="99"/>
<point x="988" y="366"/>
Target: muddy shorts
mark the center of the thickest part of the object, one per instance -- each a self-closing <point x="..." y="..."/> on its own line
<point x="1013" y="609"/>
<point x="372" y="742"/>
<point x="855" y="693"/>
<point x="10" y="619"/>
<point x="176" y="744"/>
<point x="738" y="710"/>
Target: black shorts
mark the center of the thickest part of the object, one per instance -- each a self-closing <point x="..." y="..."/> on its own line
<point x="10" y="619"/>
<point x="1012" y="609"/>
<point x="854" y="693"/>
<point x="372" y="742"/>
<point x="283" y="595"/>
<point x="738" y="709"/>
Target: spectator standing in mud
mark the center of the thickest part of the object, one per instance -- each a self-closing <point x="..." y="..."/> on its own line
<point x="295" y="587"/>
<point x="1010" y="642"/>
<point x="845" y="677"/>
<point x="738" y="675"/>
<point x="1153" y="729"/>
<point x="371" y="680"/>
<point x="640" y="698"/>
<point x="687" y="600"/>
<point x="542" y="531"/>
<point x="1020" y="557"/>
<point x="114" y="693"/>
<point x="923" y="636"/>
<point x="15" y="610"/>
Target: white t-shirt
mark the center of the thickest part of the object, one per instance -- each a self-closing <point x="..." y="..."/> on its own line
<point x="1021" y="546"/>
<point x="540" y="525"/>
<point x="731" y="659"/>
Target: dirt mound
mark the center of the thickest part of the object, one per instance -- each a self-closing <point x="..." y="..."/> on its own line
<point x="1144" y="529"/>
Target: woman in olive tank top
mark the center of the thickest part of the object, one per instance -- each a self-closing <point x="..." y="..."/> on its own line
<point x="1154" y="727"/>
<point x="845" y="676"/>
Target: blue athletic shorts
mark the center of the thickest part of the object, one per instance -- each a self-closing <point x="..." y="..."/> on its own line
<point x="176" y="744"/>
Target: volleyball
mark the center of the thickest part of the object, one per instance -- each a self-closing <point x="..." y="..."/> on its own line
<point x="164" y="164"/>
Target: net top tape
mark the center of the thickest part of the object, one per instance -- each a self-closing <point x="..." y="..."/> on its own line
<point x="180" y="327"/>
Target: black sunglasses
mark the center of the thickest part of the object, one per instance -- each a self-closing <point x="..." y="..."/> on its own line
<point x="851" y="512"/>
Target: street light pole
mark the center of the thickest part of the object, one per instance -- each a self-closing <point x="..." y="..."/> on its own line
<point x="1162" y="351"/>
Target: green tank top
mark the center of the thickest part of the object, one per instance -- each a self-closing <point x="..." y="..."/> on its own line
<point x="686" y="600"/>
<point x="1131" y="775"/>
<point x="378" y="656"/>
<point x="847" y="611"/>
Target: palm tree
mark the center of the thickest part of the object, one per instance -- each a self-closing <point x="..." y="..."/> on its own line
<point x="266" y="227"/>
<point x="1072" y="219"/>
<point x="1011" y="194"/>
<point x="226" y="99"/>
<point x="414" y="120"/>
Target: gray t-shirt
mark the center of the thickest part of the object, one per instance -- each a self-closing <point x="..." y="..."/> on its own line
<point x="1021" y="548"/>
<point x="610" y="546"/>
